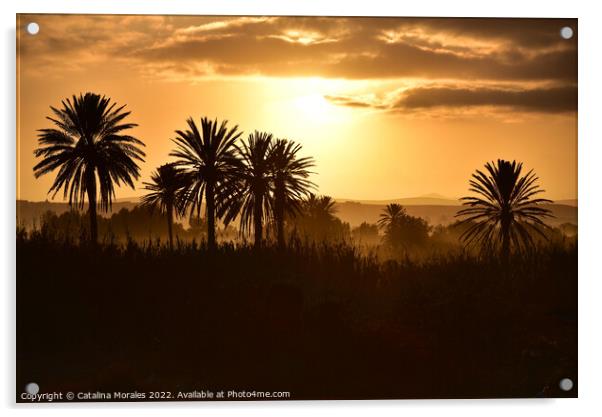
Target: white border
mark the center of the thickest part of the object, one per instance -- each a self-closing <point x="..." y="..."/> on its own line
<point x="590" y="200"/>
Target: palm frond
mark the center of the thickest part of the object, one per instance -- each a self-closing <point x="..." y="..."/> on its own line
<point x="86" y="140"/>
<point x="504" y="215"/>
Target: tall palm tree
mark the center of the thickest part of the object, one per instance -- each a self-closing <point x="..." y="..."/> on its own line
<point x="250" y="196"/>
<point x="90" y="151"/>
<point x="208" y="158"/>
<point x="504" y="215"/>
<point x="290" y="182"/>
<point x="166" y="186"/>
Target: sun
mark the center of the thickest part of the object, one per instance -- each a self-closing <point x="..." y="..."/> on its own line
<point x="316" y="108"/>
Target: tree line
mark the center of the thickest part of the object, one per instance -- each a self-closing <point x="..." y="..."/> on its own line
<point x="261" y="180"/>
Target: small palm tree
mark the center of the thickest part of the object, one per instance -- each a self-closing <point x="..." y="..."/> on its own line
<point x="391" y="215"/>
<point x="166" y="186"/>
<point x="390" y="221"/>
<point x="322" y="208"/>
<point x="291" y="185"/>
<point x="90" y="151"/>
<point x="209" y="160"/>
<point x="249" y="193"/>
<point x="504" y="216"/>
<point x="317" y="222"/>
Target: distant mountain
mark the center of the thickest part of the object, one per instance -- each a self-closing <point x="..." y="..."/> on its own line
<point x="572" y="202"/>
<point x="425" y="200"/>
<point x="133" y="199"/>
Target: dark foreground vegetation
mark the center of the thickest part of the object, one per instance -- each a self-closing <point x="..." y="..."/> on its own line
<point x="320" y="321"/>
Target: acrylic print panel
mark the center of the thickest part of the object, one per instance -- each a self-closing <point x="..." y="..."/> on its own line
<point x="295" y="208"/>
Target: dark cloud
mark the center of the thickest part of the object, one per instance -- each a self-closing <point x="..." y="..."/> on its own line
<point x="403" y="60"/>
<point x="520" y="32"/>
<point x="543" y="100"/>
<point x="353" y="48"/>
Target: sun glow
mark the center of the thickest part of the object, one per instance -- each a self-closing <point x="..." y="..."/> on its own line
<point x="314" y="106"/>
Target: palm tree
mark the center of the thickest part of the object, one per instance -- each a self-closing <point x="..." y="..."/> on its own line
<point x="90" y="151"/>
<point x="208" y="158"/>
<point x="504" y="215"/>
<point x="318" y="221"/>
<point x="290" y="182"/>
<point x="322" y="208"/>
<point x="390" y="221"/>
<point x="249" y="193"/>
<point x="165" y="194"/>
<point x="391" y="215"/>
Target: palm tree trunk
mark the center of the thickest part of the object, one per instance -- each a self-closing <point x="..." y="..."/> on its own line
<point x="279" y="214"/>
<point x="257" y="221"/>
<point x="170" y="224"/>
<point x="505" y="225"/>
<point x="91" y="188"/>
<point x="210" y="213"/>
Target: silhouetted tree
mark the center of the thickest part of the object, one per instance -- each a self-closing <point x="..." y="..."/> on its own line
<point x="320" y="207"/>
<point x="365" y="233"/>
<point x="209" y="160"/>
<point x="198" y="225"/>
<point x="66" y="226"/>
<point x="391" y="215"/>
<point x="165" y="194"/>
<point x="290" y="183"/>
<point x="401" y="229"/>
<point x="504" y="215"/>
<point x="139" y="224"/>
<point x="449" y="234"/>
<point x="88" y="148"/>
<point x="389" y="221"/>
<point x="317" y="220"/>
<point x="249" y="193"/>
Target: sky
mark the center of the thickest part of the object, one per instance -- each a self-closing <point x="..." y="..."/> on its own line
<point x="387" y="107"/>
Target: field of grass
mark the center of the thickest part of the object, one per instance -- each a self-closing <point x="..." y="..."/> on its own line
<point x="322" y="322"/>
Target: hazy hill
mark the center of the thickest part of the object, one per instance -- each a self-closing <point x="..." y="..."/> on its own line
<point x="425" y="200"/>
<point x="572" y="202"/>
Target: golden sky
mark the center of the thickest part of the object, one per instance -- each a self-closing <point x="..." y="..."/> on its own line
<point x="388" y="107"/>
